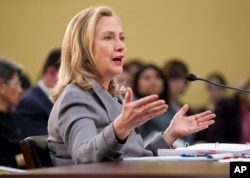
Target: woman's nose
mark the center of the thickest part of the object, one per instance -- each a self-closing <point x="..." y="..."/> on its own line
<point x="120" y="45"/>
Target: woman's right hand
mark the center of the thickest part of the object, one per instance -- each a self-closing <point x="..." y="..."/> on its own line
<point x="135" y="113"/>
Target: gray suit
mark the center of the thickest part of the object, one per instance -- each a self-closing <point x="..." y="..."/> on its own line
<point x="81" y="130"/>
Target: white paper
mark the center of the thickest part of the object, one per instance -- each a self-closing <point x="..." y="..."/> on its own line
<point x="207" y="148"/>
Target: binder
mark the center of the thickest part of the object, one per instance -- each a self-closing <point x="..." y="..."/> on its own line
<point x="236" y="150"/>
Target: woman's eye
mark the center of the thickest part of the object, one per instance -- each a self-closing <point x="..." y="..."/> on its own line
<point x="108" y="37"/>
<point x="122" y="38"/>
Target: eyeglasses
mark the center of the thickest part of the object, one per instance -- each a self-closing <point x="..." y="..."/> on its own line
<point x="14" y="83"/>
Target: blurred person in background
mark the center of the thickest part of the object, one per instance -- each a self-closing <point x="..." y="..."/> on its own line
<point x="232" y="118"/>
<point x="147" y="81"/>
<point x="25" y="82"/>
<point x="131" y="69"/>
<point x="35" y="106"/>
<point x="215" y="94"/>
<point x="10" y="130"/>
<point x="175" y="71"/>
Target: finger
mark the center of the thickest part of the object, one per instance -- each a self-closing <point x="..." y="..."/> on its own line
<point x="145" y="100"/>
<point x="206" y="117"/>
<point x="128" y="96"/>
<point x="183" y="110"/>
<point x="152" y="105"/>
<point x="157" y="111"/>
<point x="206" y="123"/>
<point x="202" y="114"/>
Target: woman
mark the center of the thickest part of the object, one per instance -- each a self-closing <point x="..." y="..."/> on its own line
<point x="147" y="81"/>
<point x="90" y="122"/>
<point x="10" y="132"/>
<point x="215" y="94"/>
<point x="232" y="116"/>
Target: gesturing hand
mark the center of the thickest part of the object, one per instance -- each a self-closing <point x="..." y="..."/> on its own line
<point x="135" y="113"/>
<point x="182" y="125"/>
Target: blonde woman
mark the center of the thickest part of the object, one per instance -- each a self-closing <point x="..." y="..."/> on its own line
<point x="90" y="121"/>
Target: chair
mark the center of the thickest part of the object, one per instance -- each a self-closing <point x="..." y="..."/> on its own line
<point x="36" y="152"/>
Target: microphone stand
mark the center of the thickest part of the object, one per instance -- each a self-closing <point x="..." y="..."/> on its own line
<point x="192" y="77"/>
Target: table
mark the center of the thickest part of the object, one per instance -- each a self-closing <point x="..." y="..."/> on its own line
<point x="133" y="169"/>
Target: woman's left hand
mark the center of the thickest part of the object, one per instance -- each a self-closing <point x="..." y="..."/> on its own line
<point x="182" y="125"/>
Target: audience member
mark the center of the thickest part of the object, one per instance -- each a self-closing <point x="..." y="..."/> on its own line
<point x="10" y="132"/>
<point x="147" y="81"/>
<point x="232" y="118"/>
<point x="35" y="105"/>
<point x="25" y="82"/>
<point x="122" y="78"/>
<point x="90" y="121"/>
<point x="131" y="69"/>
<point x="151" y="80"/>
<point x="215" y="94"/>
<point x="175" y="71"/>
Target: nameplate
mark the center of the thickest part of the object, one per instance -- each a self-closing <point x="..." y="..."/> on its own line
<point x="239" y="169"/>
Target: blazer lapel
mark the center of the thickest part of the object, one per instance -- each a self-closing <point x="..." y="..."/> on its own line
<point x="111" y="105"/>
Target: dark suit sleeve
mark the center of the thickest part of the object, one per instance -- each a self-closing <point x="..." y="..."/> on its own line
<point x="227" y="122"/>
<point x="8" y="161"/>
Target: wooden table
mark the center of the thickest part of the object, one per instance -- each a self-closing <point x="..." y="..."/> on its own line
<point x="133" y="169"/>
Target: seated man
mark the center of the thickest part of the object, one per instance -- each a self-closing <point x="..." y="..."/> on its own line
<point x="35" y="106"/>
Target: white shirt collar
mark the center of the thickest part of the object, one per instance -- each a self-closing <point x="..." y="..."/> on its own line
<point x="43" y="87"/>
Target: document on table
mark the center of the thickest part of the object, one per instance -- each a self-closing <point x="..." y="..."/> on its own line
<point x="208" y="148"/>
<point x="5" y="169"/>
<point x="167" y="158"/>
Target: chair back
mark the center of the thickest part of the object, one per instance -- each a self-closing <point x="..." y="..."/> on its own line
<point x="36" y="152"/>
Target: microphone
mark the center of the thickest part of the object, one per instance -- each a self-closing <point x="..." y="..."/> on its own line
<point x="191" y="77"/>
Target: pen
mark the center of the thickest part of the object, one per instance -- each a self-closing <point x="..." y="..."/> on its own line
<point x="245" y="155"/>
<point x="193" y="155"/>
<point x="220" y="156"/>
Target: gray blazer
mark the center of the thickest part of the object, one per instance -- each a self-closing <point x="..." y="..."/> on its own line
<point x="80" y="129"/>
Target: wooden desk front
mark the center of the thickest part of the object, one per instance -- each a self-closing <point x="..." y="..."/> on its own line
<point x="134" y="169"/>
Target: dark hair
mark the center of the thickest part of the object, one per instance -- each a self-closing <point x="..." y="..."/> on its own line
<point x="175" y="68"/>
<point x="218" y="76"/>
<point x="25" y="81"/>
<point x="135" y="87"/>
<point x="133" y="62"/>
<point x="8" y="68"/>
<point x="53" y="59"/>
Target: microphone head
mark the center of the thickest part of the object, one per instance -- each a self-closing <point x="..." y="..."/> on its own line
<point x="191" y="77"/>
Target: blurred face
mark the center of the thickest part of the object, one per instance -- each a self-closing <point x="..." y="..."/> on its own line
<point x="216" y="93"/>
<point x="108" y="47"/>
<point x="246" y="96"/>
<point x="150" y="82"/>
<point x="11" y="91"/>
<point x="177" y="86"/>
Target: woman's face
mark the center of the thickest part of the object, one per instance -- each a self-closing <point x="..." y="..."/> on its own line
<point x="150" y="82"/>
<point x="215" y="93"/>
<point x="11" y="91"/>
<point x="108" y="47"/>
<point x="177" y="86"/>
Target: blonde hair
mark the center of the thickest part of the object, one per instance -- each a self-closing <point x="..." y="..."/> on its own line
<point x="77" y="59"/>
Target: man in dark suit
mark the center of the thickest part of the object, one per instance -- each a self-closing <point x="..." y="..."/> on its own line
<point x="35" y="106"/>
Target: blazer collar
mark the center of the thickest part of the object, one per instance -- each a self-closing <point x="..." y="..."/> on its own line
<point x="112" y="105"/>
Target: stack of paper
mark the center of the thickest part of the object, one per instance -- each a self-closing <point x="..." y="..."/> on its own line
<point x="208" y="148"/>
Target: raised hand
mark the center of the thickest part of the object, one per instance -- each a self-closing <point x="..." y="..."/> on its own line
<point x="135" y="113"/>
<point x="182" y="125"/>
